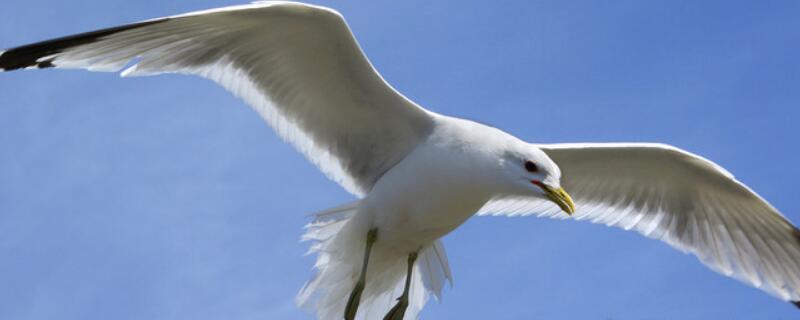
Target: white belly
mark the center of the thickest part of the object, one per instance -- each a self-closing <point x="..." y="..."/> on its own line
<point x="410" y="223"/>
<point x="422" y="199"/>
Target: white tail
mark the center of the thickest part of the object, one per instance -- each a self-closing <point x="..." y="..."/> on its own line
<point x="339" y="244"/>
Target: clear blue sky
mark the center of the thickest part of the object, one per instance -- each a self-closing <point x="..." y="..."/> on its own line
<point x="167" y="198"/>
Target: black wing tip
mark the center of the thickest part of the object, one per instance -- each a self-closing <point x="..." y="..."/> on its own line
<point x="11" y="64"/>
<point x="796" y="304"/>
<point x="30" y="56"/>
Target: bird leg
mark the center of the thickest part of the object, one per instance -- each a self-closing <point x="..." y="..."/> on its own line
<point x="355" y="295"/>
<point x="399" y="309"/>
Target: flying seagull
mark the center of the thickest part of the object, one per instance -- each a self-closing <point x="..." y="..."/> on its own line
<point x="419" y="175"/>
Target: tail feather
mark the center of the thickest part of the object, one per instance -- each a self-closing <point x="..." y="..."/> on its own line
<point x="435" y="268"/>
<point x="338" y="240"/>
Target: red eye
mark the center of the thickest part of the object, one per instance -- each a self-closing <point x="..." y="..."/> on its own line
<point x="530" y="166"/>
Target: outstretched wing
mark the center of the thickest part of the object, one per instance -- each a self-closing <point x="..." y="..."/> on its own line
<point x="297" y="65"/>
<point x="689" y="202"/>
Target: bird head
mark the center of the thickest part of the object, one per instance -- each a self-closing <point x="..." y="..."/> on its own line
<point x="534" y="174"/>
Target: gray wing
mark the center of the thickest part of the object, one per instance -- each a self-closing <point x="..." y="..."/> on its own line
<point x="297" y="65"/>
<point x="682" y="199"/>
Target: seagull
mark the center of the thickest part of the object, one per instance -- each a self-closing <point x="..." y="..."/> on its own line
<point x="417" y="174"/>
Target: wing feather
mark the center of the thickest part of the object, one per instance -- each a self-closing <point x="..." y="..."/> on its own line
<point x="297" y="65"/>
<point x="682" y="199"/>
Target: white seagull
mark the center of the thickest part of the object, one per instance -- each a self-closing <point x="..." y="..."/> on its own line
<point x="417" y="174"/>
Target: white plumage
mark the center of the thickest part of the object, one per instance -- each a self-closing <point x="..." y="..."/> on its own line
<point x="418" y="174"/>
<point x="682" y="199"/>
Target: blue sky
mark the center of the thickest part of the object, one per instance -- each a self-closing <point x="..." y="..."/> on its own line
<point x="167" y="198"/>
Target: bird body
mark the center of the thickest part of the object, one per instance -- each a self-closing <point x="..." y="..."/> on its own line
<point x="419" y="175"/>
<point x="440" y="184"/>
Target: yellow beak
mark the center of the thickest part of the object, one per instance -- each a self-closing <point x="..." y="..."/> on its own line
<point x="561" y="198"/>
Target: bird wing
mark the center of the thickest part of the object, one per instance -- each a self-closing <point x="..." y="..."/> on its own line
<point x="682" y="199"/>
<point x="297" y="65"/>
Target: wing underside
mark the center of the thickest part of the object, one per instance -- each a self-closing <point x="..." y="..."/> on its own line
<point x="297" y="65"/>
<point x="684" y="200"/>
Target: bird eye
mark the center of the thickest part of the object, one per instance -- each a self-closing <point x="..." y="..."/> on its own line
<point x="530" y="166"/>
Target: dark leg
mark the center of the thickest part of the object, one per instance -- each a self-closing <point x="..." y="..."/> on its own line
<point x="355" y="295"/>
<point x="399" y="309"/>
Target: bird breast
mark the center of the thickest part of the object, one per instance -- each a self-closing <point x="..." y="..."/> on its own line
<point x="425" y="196"/>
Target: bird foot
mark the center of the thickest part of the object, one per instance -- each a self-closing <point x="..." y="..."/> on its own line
<point x="398" y="311"/>
<point x="353" y="301"/>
